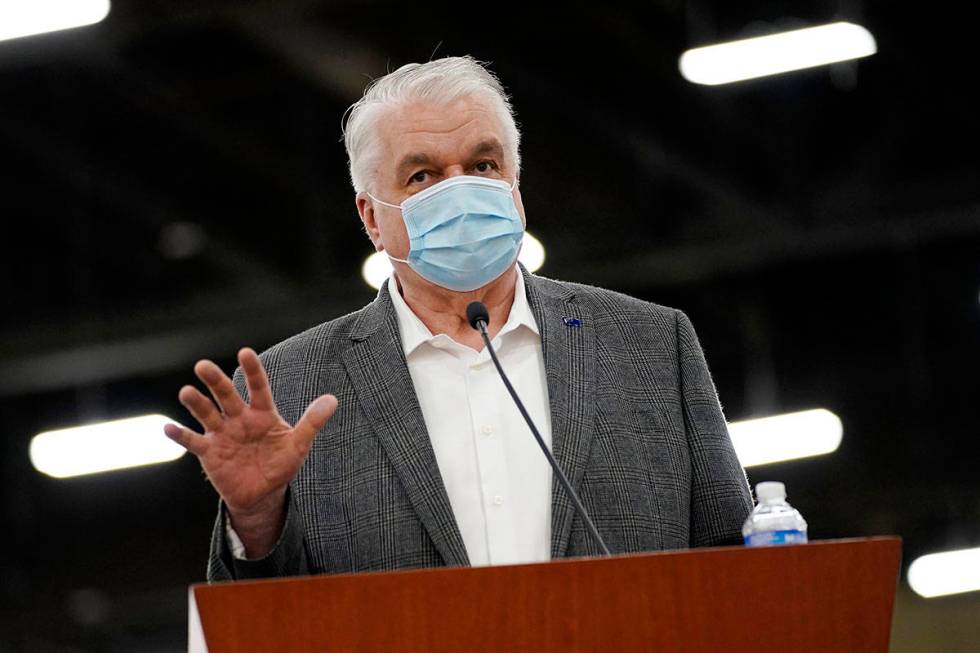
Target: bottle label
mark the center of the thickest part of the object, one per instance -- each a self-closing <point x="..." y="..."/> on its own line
<point x="774" y="538"/>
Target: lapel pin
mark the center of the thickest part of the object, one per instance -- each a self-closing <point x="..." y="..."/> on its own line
<point x="572" y="321"/>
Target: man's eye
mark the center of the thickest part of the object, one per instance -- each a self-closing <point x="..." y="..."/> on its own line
<point x="485" y="166"/>
<point x="419" y="177"/>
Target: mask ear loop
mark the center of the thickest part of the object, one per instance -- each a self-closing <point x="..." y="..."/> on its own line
<point x="394" y="206"/>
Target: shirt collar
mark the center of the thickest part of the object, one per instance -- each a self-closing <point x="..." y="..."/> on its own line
<point x="414" y="332"/>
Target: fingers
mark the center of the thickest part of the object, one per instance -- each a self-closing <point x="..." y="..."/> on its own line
<point x="221" y="387"/>
<point x="202" y="408"/>
<point x="259" y="393"/>
<point x="188" y="439"/>
<point x="315" y="418"/>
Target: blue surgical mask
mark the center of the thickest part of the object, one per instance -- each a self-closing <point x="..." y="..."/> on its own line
<point x="463" y="232"/>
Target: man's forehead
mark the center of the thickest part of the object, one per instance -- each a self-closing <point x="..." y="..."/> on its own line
<point x="466" y="122"/>
<point x="429" y="111"/>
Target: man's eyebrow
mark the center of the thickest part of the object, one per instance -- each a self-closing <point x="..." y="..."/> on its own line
<point x="410" y="161"/>
<point x="492" y="146"/>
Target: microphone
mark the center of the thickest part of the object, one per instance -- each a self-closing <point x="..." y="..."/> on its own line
<point x="478" y="317"/>
<point x="476" y="312"/>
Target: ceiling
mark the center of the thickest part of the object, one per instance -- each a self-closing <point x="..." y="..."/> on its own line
<point x="176" y="188"/>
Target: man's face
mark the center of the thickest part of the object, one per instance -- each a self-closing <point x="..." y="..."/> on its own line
<point x="423" y="143"/>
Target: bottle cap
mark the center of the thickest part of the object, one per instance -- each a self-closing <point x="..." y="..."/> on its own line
<point x="770" y="491"/>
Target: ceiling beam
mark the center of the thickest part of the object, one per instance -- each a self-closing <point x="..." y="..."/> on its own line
<point x="762" y="250"/>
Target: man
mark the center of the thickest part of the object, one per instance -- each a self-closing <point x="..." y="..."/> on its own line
<point x="406" y="450"/>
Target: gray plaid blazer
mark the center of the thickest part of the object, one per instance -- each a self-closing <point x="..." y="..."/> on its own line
<point x="636" y="425"/>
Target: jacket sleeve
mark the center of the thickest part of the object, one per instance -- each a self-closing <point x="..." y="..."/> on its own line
<point x="287" y="558"/>
<point x="720" y="495"/>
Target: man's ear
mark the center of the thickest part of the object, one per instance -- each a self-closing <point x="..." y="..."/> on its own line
<point x="365" y="209"/>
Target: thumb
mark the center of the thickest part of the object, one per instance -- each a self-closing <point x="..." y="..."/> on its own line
<point x="315" y="417"/>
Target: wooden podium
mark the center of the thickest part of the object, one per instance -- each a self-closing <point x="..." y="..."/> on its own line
<point x="829" y="596"/>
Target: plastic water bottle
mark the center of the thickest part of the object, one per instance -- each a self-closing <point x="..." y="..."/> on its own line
<point x="773" y="521"/>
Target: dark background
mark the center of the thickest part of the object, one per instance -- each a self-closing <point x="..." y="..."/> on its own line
<point x="174" y="187"/>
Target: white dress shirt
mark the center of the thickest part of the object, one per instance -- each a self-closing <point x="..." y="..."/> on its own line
<point x="497" y="478"/>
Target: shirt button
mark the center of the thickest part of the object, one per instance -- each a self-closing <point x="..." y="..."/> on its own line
<point x="498" y="500"/>
<point x="486" y="430"/>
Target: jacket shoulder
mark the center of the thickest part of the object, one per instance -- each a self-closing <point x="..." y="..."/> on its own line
<point x="603" y="302"/>
<point x="325" y="338"/>
<point x="300" y="364"/>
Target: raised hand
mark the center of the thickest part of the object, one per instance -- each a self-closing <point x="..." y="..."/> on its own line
<point x="248" y="451"/>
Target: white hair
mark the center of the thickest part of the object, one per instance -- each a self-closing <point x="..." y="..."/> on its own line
<point x="442" y="80"/>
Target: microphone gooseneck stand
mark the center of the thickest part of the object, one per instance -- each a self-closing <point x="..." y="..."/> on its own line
<point x="478" y="318"/>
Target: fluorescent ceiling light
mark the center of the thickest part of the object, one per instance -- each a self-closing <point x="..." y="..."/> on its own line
<point x="532" y="253"/>
<point x="25" y="17"/>
<point x="939" y="574"/>
<point x="776" y="53"/>
<point x="377" y="268"/>
<point x="786" y="437"/>
<point x="103" y="447"/>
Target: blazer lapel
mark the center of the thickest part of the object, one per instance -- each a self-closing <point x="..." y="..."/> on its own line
<point x="569" y="359"/>
<point x="377" y="368"/>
